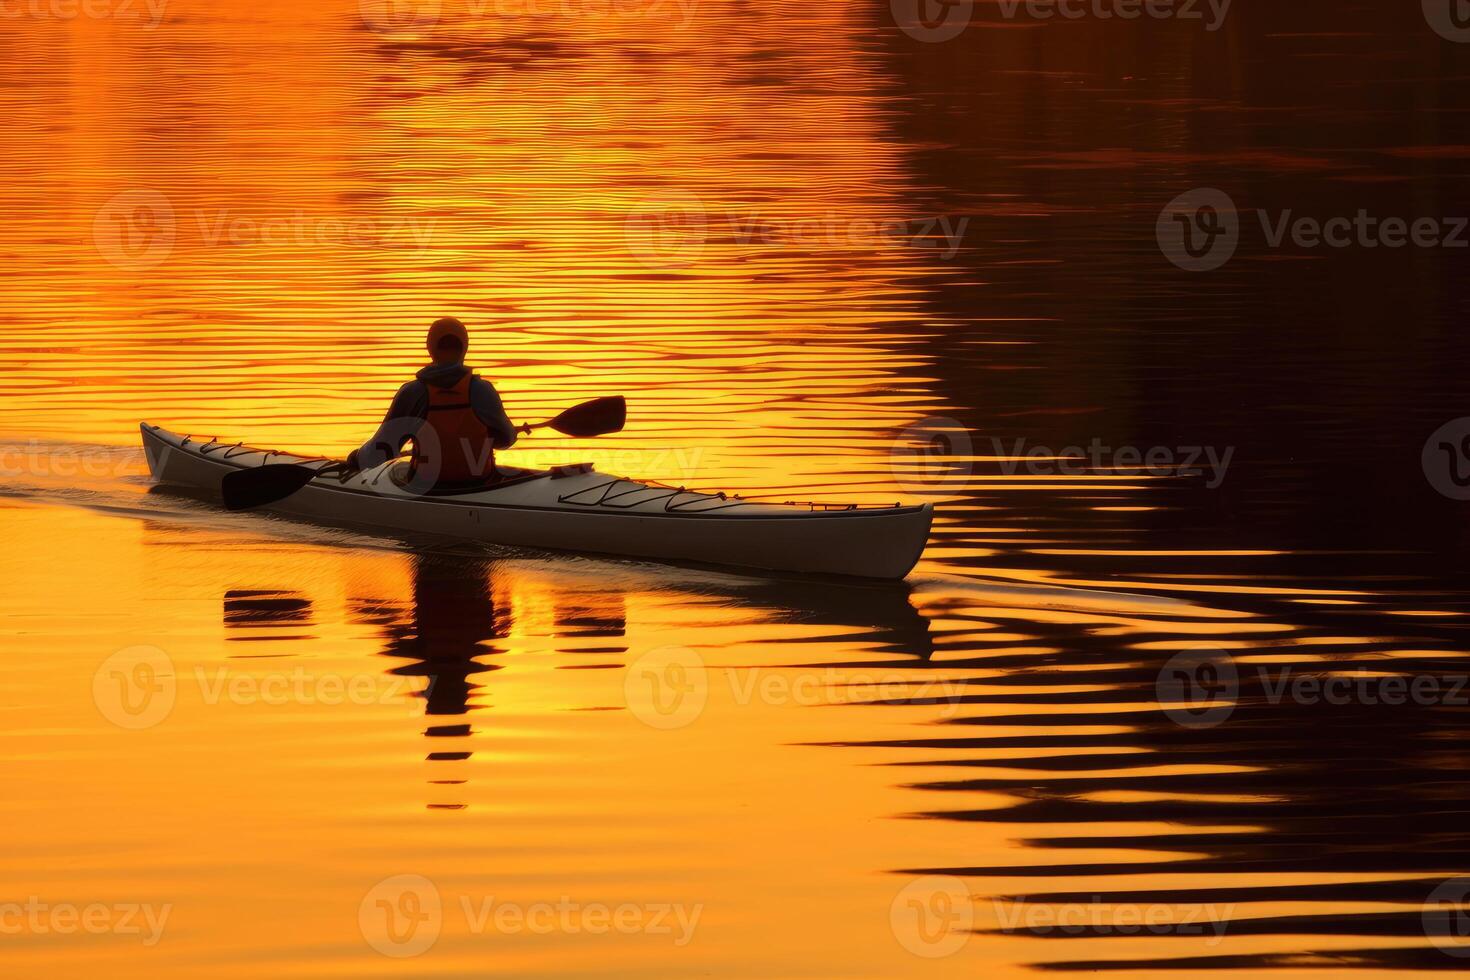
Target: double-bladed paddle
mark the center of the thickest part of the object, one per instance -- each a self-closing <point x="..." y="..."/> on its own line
<point x="261" y="485"/>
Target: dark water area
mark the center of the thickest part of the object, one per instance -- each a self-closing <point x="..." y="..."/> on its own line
<point x="1324" y="369"/>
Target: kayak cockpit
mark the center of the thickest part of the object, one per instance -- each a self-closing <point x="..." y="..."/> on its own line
<point x="401" y="475"/>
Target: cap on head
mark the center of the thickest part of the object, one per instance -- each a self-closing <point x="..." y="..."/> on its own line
<point x="448" y="341"/>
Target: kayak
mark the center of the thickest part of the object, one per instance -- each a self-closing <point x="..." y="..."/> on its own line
<point x="574" y="508"/>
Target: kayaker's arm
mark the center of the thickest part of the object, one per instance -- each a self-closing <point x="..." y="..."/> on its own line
<point x="409" y="405"/>
<point x="485" y="400"/>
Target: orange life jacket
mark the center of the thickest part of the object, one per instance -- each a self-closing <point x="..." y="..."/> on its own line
<point x="453" y="438"/>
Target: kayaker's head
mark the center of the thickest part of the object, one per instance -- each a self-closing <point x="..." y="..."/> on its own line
<point x="448" y="341"/>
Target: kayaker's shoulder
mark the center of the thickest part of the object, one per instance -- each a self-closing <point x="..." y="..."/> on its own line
<point x="476" y="381"/>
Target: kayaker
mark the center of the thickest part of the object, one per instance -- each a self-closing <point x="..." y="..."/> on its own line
<point x="452" y="415"/>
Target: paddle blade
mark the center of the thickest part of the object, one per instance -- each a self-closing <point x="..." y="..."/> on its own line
<point x="261" y="485"/>
<point x="595" y="418"/>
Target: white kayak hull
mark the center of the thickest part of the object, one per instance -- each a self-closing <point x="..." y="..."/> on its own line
<point x="580" y="512"/>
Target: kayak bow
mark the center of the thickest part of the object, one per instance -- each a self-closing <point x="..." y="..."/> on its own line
<point x="573" y="508"/>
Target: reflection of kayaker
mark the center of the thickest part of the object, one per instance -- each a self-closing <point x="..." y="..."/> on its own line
<point x="453" y="621"/>
<point x="452" y="415"/>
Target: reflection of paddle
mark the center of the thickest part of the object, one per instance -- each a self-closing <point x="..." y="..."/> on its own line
<point x="261" y="485"/>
